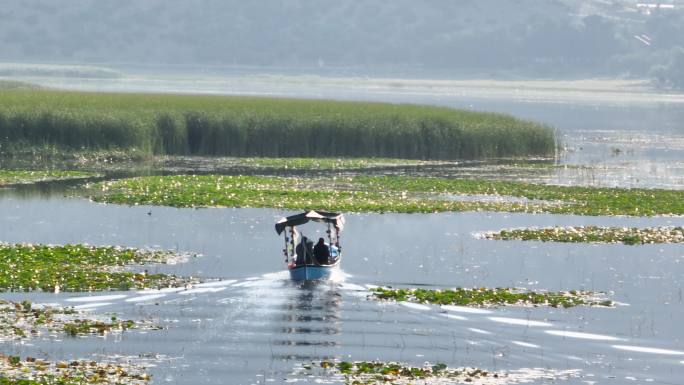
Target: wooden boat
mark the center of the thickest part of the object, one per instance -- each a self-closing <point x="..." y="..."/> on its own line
<point x="305" y="262"/>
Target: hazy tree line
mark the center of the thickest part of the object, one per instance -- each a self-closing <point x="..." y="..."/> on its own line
<point x="549" y="38"/>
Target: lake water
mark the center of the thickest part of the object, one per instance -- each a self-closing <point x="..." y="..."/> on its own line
<point x="257" y="323"/>
<point x="257" y="327"/>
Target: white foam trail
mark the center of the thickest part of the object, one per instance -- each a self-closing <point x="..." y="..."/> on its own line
<point x="359" y="294"/>
<point x="262" y="283"/>
<point x="338" y="275"/>
<point x="583" y="336"/>
<point x="145" y="298"/>
<point x="202" y="290"/>
<point x="415" y="306"/>
<point x="454" y="316"/>
<point x="226" y="301"/>
<point x="371" y="287"/>
<point x="252" y="278"/>
<point x="241" y="284"/>
<point x="479" y="331"/>
<point x="164" y="290"/>
<point x="641" y="349"/>
<point x="519" y="321"/>
<point x="216" y="283"/>
<point x="91" y="305"/>
<point x="526" y="344"/>
<point x="279" y="275"/>
<point x="463" y="309"/>
<point x="351" y="286"/>
<point x="96" y="298"/>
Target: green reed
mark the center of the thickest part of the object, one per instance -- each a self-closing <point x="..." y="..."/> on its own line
<point x="269" y="127"/>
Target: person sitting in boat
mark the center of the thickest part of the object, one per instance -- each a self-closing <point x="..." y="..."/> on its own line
<point x="304" y="251"/>
<point x="321" y="252"/>
<point x="309" y="251"/>
<point x="300" y="251"/>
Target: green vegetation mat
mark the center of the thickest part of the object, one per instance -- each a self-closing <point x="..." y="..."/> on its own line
<point x="32" y="371"/>
<point x="365" y="372"/>
<point x="25" y="267"/>
<point x="10" y="177"/>
<point x="628" y="236"/>
<point x="329" y="163"/>
<point x="483" y="297"/>
<point x="384" y="194"/>
<point x="24" y="320"/>
<point x="395" y="373"/>
<point x="248" y="126"/>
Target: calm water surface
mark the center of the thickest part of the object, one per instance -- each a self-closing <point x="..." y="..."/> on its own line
<point x="257" y="327"/>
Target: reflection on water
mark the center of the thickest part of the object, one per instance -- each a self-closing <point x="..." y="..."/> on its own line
<point x="311" y="317"/>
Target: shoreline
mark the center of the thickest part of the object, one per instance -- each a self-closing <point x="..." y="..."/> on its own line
<point x="591" y="90"/>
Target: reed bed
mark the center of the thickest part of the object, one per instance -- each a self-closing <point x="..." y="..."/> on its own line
<point x="266" y="127"/>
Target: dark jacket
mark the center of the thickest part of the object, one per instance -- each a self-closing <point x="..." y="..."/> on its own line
<point x="321" y="253"/>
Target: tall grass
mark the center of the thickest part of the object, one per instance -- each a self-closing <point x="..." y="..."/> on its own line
<point x="245" y="126"/>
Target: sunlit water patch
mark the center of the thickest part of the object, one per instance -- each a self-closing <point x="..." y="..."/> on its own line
<point x="526" y="344"/>
<point x="519" y="322"/>
<point x="143" y="298"/>
<point x="649" y="350"/>
<point x="454" y="316"/>
<point x="580" y="335"/>
<point x="96" y="298"/>
<point x="465" y="309"/>
<point x="414" y="306"/>
<point x="93" y="305"/>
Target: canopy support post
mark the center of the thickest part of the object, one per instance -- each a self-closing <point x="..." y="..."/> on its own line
<point x="285" y="250"/>
<point x="330" y="242"/>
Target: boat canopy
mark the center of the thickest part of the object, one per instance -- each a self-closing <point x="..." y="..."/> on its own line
<point x="314" y="215"/>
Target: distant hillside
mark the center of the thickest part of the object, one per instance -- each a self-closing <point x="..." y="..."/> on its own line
<point x="540" y="38"/>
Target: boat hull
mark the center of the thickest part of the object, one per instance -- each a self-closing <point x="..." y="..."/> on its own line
<point x="312" y="272"/>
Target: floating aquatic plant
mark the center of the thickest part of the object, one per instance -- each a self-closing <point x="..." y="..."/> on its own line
<point x="379" y="372"/>
<point x="383" y="194"/>
<point x="15" y="370"/>
<point x="340" y="163"/>
<point x="484" y="297"/>
<point x="25" y="267"/>
<point x="626" y="235"/>
<point x="25" y="320"/>
<point x="13" y="177"/>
